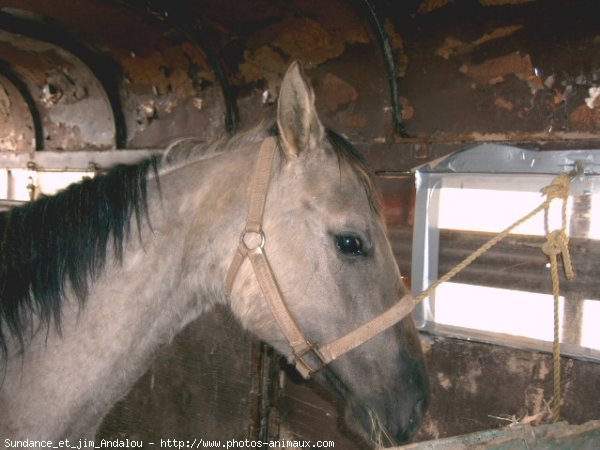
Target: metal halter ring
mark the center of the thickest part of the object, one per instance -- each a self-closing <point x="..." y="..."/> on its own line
<point x="248" y="246"/>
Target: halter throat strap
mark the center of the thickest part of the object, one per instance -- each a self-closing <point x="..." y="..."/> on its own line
<point x="308" y="357"/>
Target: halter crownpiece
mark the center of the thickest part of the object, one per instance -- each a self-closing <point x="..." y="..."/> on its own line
<point x="308" y="357"/>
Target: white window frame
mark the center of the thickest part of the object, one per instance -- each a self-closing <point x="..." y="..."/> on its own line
<point x="494" y="167"/>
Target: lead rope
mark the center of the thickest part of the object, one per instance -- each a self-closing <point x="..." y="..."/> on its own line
<point x="557" y="242"/>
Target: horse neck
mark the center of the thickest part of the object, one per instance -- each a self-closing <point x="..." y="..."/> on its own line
<point x="169" y="274"/>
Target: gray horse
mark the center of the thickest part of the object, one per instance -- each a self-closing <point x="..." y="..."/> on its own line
<point x="94" y="280"/>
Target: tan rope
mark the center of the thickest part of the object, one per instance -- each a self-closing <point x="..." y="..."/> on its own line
<point x="480" y="251"/>
<point x="557" y="242"/>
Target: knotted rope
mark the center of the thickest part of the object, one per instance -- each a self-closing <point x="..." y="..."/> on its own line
<point x="557" y="243"/>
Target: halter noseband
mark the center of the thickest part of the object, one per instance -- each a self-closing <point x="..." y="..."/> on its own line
<point x="308" y="357"/>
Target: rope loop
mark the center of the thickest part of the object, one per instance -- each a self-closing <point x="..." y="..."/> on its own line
<point x="558" y="189"/>
<point x="555" y="243"/>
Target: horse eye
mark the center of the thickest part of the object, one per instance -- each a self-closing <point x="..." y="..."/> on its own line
<point x="349" y="245"/>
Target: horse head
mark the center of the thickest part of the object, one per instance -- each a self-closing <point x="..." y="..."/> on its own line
<point x="332" y="265"/>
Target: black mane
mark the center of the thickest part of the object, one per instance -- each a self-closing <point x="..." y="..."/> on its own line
<point x="62" y="241"/>
<point x="348" y="153"/>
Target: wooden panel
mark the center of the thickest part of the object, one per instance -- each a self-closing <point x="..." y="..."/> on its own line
<point x="199" y="387"/>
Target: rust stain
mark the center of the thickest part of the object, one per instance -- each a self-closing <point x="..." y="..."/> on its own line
<point x="431" y="5"/>
<point x="453" y="46"/>
<point x="355" y="121"/>
<point x="559" y="97"/>
<point x="337" y="93"/>
<point x="513" y="136"/>
<point x="535" y="82"/>
<point x="503" y="2"/>
<point x="319" y="33"/>
<point x="127" y="31"/>
<point x="166" y="71"/>
<point x="264" y="62"/>
<point x="33" y="64"/>
<point x="302" y="38"/>
<point x="504" y="104"/>
<point x="338" y="19"/>
<point x="408" y="112"/>
<point x="194" y="56"/>
<point x="585" y="118"/>
<point x="307" y="40"/>
<point x="511" y="64"/>
<point x="397" y="44"/>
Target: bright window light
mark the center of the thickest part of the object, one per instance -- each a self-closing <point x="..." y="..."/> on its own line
<point x="496" y="310"/>
<point x="595" y="217"/>
<point x="494" y="210"/>
<point x="47" y="183"/>
<point x="492" y="309"/>
<point x="3" y="183"/>
<point x="52" y="182"/>
<point x="590" y="329"/>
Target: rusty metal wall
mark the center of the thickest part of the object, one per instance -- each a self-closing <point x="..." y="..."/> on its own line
<point x="407" y="81"/>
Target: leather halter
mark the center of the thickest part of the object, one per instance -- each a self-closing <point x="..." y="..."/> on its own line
<point x="308" y="357"/>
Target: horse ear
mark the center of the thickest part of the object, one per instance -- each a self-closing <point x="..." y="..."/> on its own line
<point x="300" y="129"/>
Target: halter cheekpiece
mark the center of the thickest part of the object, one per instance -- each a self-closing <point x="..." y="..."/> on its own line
<point x="308" y="357"/>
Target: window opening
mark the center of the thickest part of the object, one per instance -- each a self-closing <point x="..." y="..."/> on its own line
<point x="505" y="296"/>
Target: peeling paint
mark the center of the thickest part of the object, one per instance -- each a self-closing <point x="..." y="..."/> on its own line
<point x="264" y="63"/>
<point x="503" y="2"/>
<point x="586" y="119"/>
<point x="337" y="93"/>
<point x="504" y="104"/>
<point x="307" y="40"/>
<point x="159" y="73"/>
<point x="397" y="43"/>
<point x="428" y="6"/>
<point x="408" y="111"/>
<point x="511" y="64"/>
<point x="594" y="93"/>
<point x="453" y="46"/>
<point x="354" y="121"/>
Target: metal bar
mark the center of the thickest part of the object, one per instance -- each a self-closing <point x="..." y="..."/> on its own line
<point x="390" y="65"/>
<point x="77" y="161"/>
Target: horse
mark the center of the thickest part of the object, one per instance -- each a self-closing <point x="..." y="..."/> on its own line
<point x="95" y="279"/>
